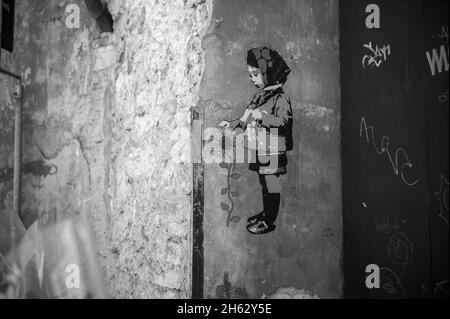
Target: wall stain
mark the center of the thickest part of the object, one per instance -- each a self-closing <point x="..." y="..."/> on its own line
<point x="36" y="168"/>
<point x="228" y="291"/>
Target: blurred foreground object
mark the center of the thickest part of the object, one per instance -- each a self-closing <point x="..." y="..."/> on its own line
<point x="6" y="232"/>
<point x="54" y="262"/>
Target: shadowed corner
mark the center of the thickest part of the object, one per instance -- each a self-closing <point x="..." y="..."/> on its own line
<point x="99" y="11"/>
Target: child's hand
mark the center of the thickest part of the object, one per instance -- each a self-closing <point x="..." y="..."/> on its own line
<point x="256" y="114"/>
<point x="224" y="124"/>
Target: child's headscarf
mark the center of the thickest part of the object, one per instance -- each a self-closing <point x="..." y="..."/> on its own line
<point x="274" y="70"/>
<point x="272" y="66"/>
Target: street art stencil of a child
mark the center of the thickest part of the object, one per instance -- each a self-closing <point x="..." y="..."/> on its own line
<point x="270" y="115"/>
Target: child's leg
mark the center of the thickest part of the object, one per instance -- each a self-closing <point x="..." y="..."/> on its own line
<point x="271" y="197"/>
<point x="265" y="194"/>
<point x="273" y="183"/>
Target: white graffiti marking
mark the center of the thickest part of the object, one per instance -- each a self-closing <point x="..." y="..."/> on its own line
<point x="376" y="56"/>
<point x="386" y="224"/>
<point x="442" y="288"/>
<point x="391" y="284"/>
<point x="442" y="196"/>
<point x="400" y="250"/>
<point x="438" y="60"/>
<point x="443" y="98"/>
<point x="443" y="35"/>
<point x="400" y="153"/>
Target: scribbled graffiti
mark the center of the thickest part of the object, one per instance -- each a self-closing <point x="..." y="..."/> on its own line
<point x="443" y="98"/>
<point x="386" y="224"/>
<point x="438" y="58"/>
<point x="376" y="57"/>
<point x="399" y="253"/>
<point x="441" y="289"/>
<point x="391" y="285"/>
<point x="400" y="162"/>
<point x="442" y="197"/>
<point x="400" y="250"/>
<point x="442" y="35"/>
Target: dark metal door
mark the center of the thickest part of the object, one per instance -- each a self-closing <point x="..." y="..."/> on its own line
<point x="394" y="149"/>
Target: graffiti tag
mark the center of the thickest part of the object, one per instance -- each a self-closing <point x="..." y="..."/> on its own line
<point x="376" y="57"/>
<point x="400" y="162"/>
<point x="442" y="196"/>
<point x="442" y="35"/>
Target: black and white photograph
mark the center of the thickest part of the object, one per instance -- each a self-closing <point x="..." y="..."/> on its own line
<point x="224" y="155"/>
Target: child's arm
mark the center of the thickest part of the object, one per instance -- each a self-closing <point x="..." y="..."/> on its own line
<point x="281" y="116"/>
<point x="240" y="122"/>
<point x="246" y="116"/>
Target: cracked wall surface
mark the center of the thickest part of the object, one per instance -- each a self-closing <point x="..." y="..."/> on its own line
<point x="106" y="122"/>
<point x="157" y="84"/>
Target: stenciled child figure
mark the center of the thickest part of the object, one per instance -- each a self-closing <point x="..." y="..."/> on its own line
<point x="269" y="112"/>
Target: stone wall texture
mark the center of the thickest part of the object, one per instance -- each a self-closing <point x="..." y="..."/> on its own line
<point x="106" y="122"/>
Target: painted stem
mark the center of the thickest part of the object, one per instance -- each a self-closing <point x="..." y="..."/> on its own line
<point x="229" y="193"/>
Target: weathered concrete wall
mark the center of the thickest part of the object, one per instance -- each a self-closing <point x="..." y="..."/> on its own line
<point x="7" y="104"/>
<point x="305" y="250"/>
<point x="99" y="122"/>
